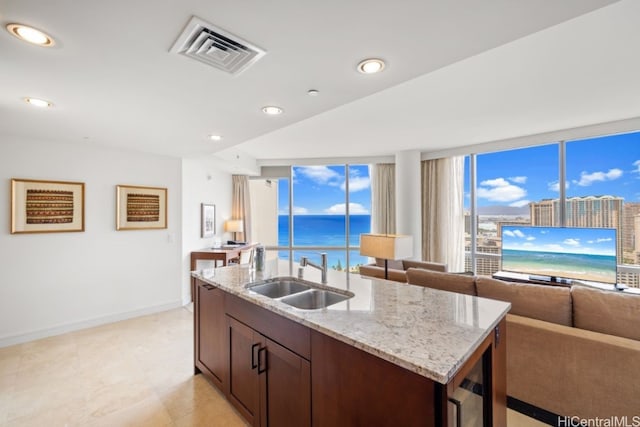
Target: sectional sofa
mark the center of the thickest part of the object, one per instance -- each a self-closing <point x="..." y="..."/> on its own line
<point x="572" y="351"/>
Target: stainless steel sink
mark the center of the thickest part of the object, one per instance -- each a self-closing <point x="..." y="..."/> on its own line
<point x="314" y="299"/>
<point x="280" y="287"/>
<point x="298" y="293"/>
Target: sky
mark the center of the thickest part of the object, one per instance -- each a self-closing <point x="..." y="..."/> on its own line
<point x="593" y="241"/>
<point x="321" y="190"/>
<point x="598" y="166"/>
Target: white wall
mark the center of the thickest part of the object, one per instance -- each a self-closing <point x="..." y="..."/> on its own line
<point x="55" y="282"/>
<point x="203" y="181"/>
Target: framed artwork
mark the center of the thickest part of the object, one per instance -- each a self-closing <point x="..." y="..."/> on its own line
<point x="208" y="220"/>
<point x="46" y="206"/>
<point x="140" y="208"/>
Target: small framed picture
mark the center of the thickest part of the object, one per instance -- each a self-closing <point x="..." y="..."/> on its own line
<point x="140" y="208"/>
<point x="46" y="206"/>
<point x="208" y="220"/>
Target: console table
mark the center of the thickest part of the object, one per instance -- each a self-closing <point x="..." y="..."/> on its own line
<point x="224" y="254"/>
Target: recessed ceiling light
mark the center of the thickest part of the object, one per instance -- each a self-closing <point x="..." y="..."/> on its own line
<point x="313" y="92"/>
<point x="30" y="34"/>
<point x="215" y="137"/>
<point x="272" y="110"/>
<point x="371" y="65"/>
<point x="36" y="102"/>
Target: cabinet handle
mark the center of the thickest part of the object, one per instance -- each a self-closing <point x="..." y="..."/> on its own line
<point x="458" y="406"/>
<point x="260" y="360"/>
<point x="254" y="365"/>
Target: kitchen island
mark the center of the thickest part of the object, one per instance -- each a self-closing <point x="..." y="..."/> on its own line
<point x="392" y="354"/>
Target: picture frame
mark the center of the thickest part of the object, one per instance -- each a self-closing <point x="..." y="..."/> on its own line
<point x="140" y="208"/>
<point x="207" y="220"/>
<point x="39" y="206"/>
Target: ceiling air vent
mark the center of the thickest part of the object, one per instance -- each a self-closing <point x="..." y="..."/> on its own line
<point x="203" y="41"/>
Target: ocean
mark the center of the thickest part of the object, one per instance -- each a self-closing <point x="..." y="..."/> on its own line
<point x="324" y="230"/>
<point x="596" y="268"/>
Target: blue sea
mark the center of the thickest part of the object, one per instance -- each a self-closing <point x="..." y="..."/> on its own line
<point x="324" y="230"/>
<point x="596" y="268"/>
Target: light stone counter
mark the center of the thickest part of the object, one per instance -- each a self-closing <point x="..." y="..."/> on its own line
<point x="427" y="331"/>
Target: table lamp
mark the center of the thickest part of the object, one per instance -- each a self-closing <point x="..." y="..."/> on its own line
<point x="386" y="246"/>
<point x="235" y="226"/>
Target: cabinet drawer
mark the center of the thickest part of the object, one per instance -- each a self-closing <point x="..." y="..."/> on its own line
<point x="292" y="335"/>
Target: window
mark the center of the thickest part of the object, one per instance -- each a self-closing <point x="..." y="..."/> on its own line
<point x="508" y="183"/>
<point x="600" y="183"/>
<point x="603" y="190"/>
<point x="316" y="213"/>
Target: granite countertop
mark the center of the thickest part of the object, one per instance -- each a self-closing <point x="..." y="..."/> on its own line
<point x="426" y="331"/>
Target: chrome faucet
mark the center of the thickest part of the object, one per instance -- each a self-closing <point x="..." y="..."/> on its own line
<point x="304" y="261"/>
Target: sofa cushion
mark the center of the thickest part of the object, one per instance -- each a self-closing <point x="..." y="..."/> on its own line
<point x="542" y="302"/>
<point x="373" y="270"/>
<point x="608" y="312"/>
<point x="392" y="264"/>
<point x="461" y="284"/>
<point x="427" y="265"/>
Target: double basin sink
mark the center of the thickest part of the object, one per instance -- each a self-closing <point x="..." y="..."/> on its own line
<point x="299" y="293"/>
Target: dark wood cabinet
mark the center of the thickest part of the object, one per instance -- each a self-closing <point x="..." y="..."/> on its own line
<point x="288" y="387"/>
<point x="211" y="348"/>
<point x="243" y="385"/>
<point x="268" y="384"/>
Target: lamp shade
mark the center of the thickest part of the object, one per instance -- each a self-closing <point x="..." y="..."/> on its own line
<point x="234" y="225"/>
<point x="386" y="246"/>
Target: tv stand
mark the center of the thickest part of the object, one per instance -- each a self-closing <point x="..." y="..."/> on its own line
<point x="531" y="278"/>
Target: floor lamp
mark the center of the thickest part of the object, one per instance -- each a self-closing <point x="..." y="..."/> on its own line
<point x="386" y="246"/>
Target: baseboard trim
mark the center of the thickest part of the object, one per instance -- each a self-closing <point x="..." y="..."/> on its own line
<point x="532" y="411"/>
<point x="84" y="324"/>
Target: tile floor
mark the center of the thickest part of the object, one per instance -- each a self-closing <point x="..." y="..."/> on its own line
<point x="137" y="372"/>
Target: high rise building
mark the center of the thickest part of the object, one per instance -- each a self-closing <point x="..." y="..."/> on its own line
<point x="589" y="211"/>
<point x="630" y="236"/>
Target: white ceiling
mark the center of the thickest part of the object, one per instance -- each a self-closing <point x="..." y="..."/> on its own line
<point x="459" y="73"/>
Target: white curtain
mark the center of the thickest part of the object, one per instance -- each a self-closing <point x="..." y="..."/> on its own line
<point x="241" y="205"/>
<point x="443" y="212"/>
<point x="383" y="198"/>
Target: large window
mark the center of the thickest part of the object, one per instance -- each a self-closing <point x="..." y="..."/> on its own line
<point x="321" y="209"/>
<point x="586" y="183"/>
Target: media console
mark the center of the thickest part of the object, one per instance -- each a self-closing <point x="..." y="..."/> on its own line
<point x="510" y="276"/>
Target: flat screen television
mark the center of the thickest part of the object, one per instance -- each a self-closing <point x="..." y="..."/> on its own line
<point x="587" y="254"/>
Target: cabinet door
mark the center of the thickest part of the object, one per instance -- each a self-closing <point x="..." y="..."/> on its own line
<point x="288" y="387"/>
<point x="211" y="345"/>
<point x="243" y="386"/>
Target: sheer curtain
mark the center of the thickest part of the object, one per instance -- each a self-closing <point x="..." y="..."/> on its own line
<point x="383" y="198"/>
<point x="442" y="211"/>
<point x="241" y="205"/>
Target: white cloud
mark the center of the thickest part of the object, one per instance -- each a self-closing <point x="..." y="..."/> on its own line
<point x="586" y="179"/>
<point x="520" y="203"/>
<point x="299" y="210"/>
<point x="518" y="179"/>
<point x="572" y="242"/>
<point x="555" y="186"/>
<point x="340" y="209"/>
<point x="530" y="238"/>
<point x="608" y="239"/>
<point x="356" y="183"/>
<point x="555" y="248"/>
<point x="637" y="165"/>
<point x="500" y="190"/>
<point x="319" y="174"/>
<point x="497" y="182"/>
<point x="514" y="233"/>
